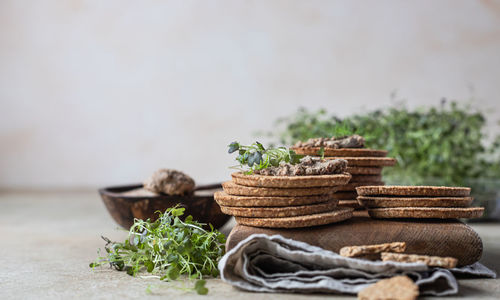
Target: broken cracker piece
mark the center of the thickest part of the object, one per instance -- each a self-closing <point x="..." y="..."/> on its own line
<point x="398" y="287"/>
<point x="431" y="261"/>
<point x="360" y="251"/>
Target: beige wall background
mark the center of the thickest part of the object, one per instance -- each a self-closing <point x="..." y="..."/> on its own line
<point x="104" y="92"/>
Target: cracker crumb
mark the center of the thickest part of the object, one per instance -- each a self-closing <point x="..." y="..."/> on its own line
<point x="431" y="261"/>
<point x="398" y="287"/>
<point x="357" y="251"/>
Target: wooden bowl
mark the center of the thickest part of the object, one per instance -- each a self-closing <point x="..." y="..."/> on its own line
<point x="124" y="208"/>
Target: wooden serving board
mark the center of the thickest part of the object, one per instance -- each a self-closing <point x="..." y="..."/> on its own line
<point x="428" y="237"/>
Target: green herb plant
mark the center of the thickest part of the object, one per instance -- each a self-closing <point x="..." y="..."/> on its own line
<point x="446" y="142"/>
<point x="168" y="248"/>
<point x="256" y="157"/>
<point x="437" y="145"/>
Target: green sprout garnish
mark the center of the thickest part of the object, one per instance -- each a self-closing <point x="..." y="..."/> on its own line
<point x="321" y="152"/>
<point x="167" y="247"/>
<point x="256" y="157"/>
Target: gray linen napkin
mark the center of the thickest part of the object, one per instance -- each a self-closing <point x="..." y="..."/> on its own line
<point x="263" y="263"/>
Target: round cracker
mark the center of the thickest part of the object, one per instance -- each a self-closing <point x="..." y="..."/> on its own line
<point x="364" y="170"/>
<point x="224" y="199"/>
<point x="232" y="188"/>
<point x="362" y="213"/>
<point x="336" y="215"/>
<point x="367" y="161"/>
<point x="349" y="152"/>
<point x="351" y="187"/>
<point x="426" y="212"/>
<point x="345" y="195"/>
<point x="366" y="178"/>
<point x="349" y="203"/>
<point x="415" y="201"/>
<point x="279" y="212"/>
<point x="291" y="181"/>
<point x="398" y="190"/>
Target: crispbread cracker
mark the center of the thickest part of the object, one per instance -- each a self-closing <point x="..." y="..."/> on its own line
<point x="351" y="187"/>
<point x="232" y="188"/>
<point x="357" y="251"/>
<point x="279" y="212"/>
<point x="224" y="199"/>
<point x="367" y="161"/>
<point x="336" y="215"/>
<point x="431" y="261"/>
<point x="291" y="181"/>
<point x="350" y="152"/>
<point x="349" y="203"/>
<point x="396" y="201"/>
<point x="360" y="213"/>
<point x="429" y="191"/>
<point x="365" y="178"/>
<point x="364" y="170"/>
<point x="426" y="212"/>
<point x="397" y="287"/>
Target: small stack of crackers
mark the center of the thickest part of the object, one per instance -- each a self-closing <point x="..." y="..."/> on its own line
<point x="419" y="202"/>
<point x="283" y="201"/>
<point x="398" y="287"/>
<point x="365" y="166"/>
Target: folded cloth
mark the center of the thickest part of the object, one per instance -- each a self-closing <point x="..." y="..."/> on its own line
<point x="263" y="263"/>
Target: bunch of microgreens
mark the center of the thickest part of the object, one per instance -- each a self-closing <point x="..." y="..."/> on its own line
<point x="168" y="248"/>
<point x="256" y="157"/>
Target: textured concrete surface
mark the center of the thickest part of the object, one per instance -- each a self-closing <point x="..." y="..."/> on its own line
<point x="47" y="241"/>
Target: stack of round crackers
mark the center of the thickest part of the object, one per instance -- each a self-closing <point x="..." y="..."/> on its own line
<point x="418" y="202"/>
<point x="365" y="166"/>
<point x="283" y="201"/>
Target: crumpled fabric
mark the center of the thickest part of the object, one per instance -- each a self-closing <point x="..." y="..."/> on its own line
<point x="263" y="263"/>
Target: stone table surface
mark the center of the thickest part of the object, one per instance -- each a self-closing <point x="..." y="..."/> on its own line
<point x="47" y="240"/>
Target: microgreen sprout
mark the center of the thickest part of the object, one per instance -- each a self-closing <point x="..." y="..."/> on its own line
<point x="256" y="157"/>
<point x="168" y="248"/>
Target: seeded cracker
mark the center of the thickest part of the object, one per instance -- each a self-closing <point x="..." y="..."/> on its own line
<point x="336" y="215"/>
<point x="224" y="199"/>
<point x="232" y="188"/>
<point x="364" y="170"/>
<point x="427" y="212"/>
<point x="395" y="201"/>
<point x="357" y="251"/>
<point x="431" y="261"/>
<point x="279" y="212"/>
<point x="429" y="191"/>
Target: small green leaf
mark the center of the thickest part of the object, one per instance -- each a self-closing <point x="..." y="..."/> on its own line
<point x="178" y="211"/>
<point x="234" y="146"/>
<point x="130" y="271"/>
<point x="200" y="288"/>
<point x="321" y="152"/>
<point x="172" y="272"/>
<point x="149" y="266"/>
